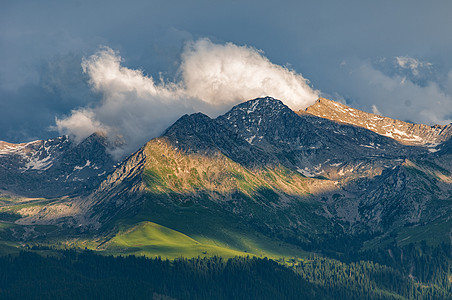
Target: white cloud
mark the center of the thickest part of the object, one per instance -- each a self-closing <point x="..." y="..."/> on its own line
<point x="80" y="124"/>
<point x="375" y="110"/>
<point x="227" y="74"/>
<point x="412" y="64"/>
<point x="213" y="77"/>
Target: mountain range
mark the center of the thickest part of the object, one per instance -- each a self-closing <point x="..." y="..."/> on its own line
<point x="260" y="179"/>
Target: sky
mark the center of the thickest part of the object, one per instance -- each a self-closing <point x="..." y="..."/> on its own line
<point x="131" y="68"/>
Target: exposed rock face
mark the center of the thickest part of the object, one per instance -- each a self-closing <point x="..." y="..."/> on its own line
<point x="197" y="133"/>
<point x="406" y="133"/>
<point x="54" y="167"/>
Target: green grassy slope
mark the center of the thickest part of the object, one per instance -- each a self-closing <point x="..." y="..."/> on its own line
<point x="151" y="239"/>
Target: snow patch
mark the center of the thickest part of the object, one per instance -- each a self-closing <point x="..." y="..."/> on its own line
<point x="315" y="171"/>
<point x="253" y="107"/>
<point x="250" y="139"/>
<point x="371" y="145"/>
<point x="305" y="172"/>
<point x="39" y="164"/>
<point x="78" y="168"/>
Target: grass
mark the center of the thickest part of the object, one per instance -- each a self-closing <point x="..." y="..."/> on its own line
<point x="169" y="170"/>
<point x="4" y="225"/>
<point x="151" y="239"/>
<point x="209" y="222"/>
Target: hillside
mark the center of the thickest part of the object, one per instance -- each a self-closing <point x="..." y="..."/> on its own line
<point x="349" y="210"/>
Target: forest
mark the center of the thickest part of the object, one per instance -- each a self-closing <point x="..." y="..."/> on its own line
<point x="411" y="272"/>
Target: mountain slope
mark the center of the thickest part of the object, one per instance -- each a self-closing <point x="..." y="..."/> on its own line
<point x="169" y="185"/>
<point x="314" y="146"/>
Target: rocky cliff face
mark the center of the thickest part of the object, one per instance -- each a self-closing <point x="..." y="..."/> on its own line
<point x="403" y="132"/>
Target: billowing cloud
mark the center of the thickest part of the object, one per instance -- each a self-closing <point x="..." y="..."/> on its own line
<point x="213" y="77"/>
<point x="83" y="122"/>
<point x="375" y="110"/>
<point x="226" y="74"/>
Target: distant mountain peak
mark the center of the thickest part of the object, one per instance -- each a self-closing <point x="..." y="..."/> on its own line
<point x="260" y="106"/>
<point x="54" y="167"/>
<point x="404" y="132"/>
<point x="253" y="120"/>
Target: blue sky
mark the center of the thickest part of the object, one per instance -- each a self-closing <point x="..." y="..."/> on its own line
<point x="389" y="57"/>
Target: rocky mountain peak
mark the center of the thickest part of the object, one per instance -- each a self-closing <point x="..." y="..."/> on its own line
<point x="258" y="109"/>
<point x="190" y="131"/>
<point x="263" y="120"/>
<point x="197" y="133"/>
<point x="189" y="124"/>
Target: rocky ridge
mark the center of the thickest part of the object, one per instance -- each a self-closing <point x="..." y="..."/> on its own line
<point x="403" y="132"/>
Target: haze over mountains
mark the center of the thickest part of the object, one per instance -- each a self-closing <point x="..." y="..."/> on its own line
<point x="308" y="179"/>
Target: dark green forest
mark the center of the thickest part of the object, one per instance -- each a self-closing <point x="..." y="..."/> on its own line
<point x="411" y="272"/>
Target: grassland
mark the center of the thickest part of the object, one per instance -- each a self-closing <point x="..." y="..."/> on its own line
<point x="151" y="239"/>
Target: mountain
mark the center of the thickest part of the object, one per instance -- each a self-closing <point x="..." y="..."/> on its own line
<point x="310" y="145"/>
<point x="55" y="167"/>
<point x="260" y="179"/>
<point x="403" y="132"/>
<point x="354" y="206"/>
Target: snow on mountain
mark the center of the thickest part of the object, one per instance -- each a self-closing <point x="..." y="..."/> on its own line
<point x="54" y="167"/>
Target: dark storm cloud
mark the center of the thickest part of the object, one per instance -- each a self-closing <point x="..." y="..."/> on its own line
<point x="334" y="44"/>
